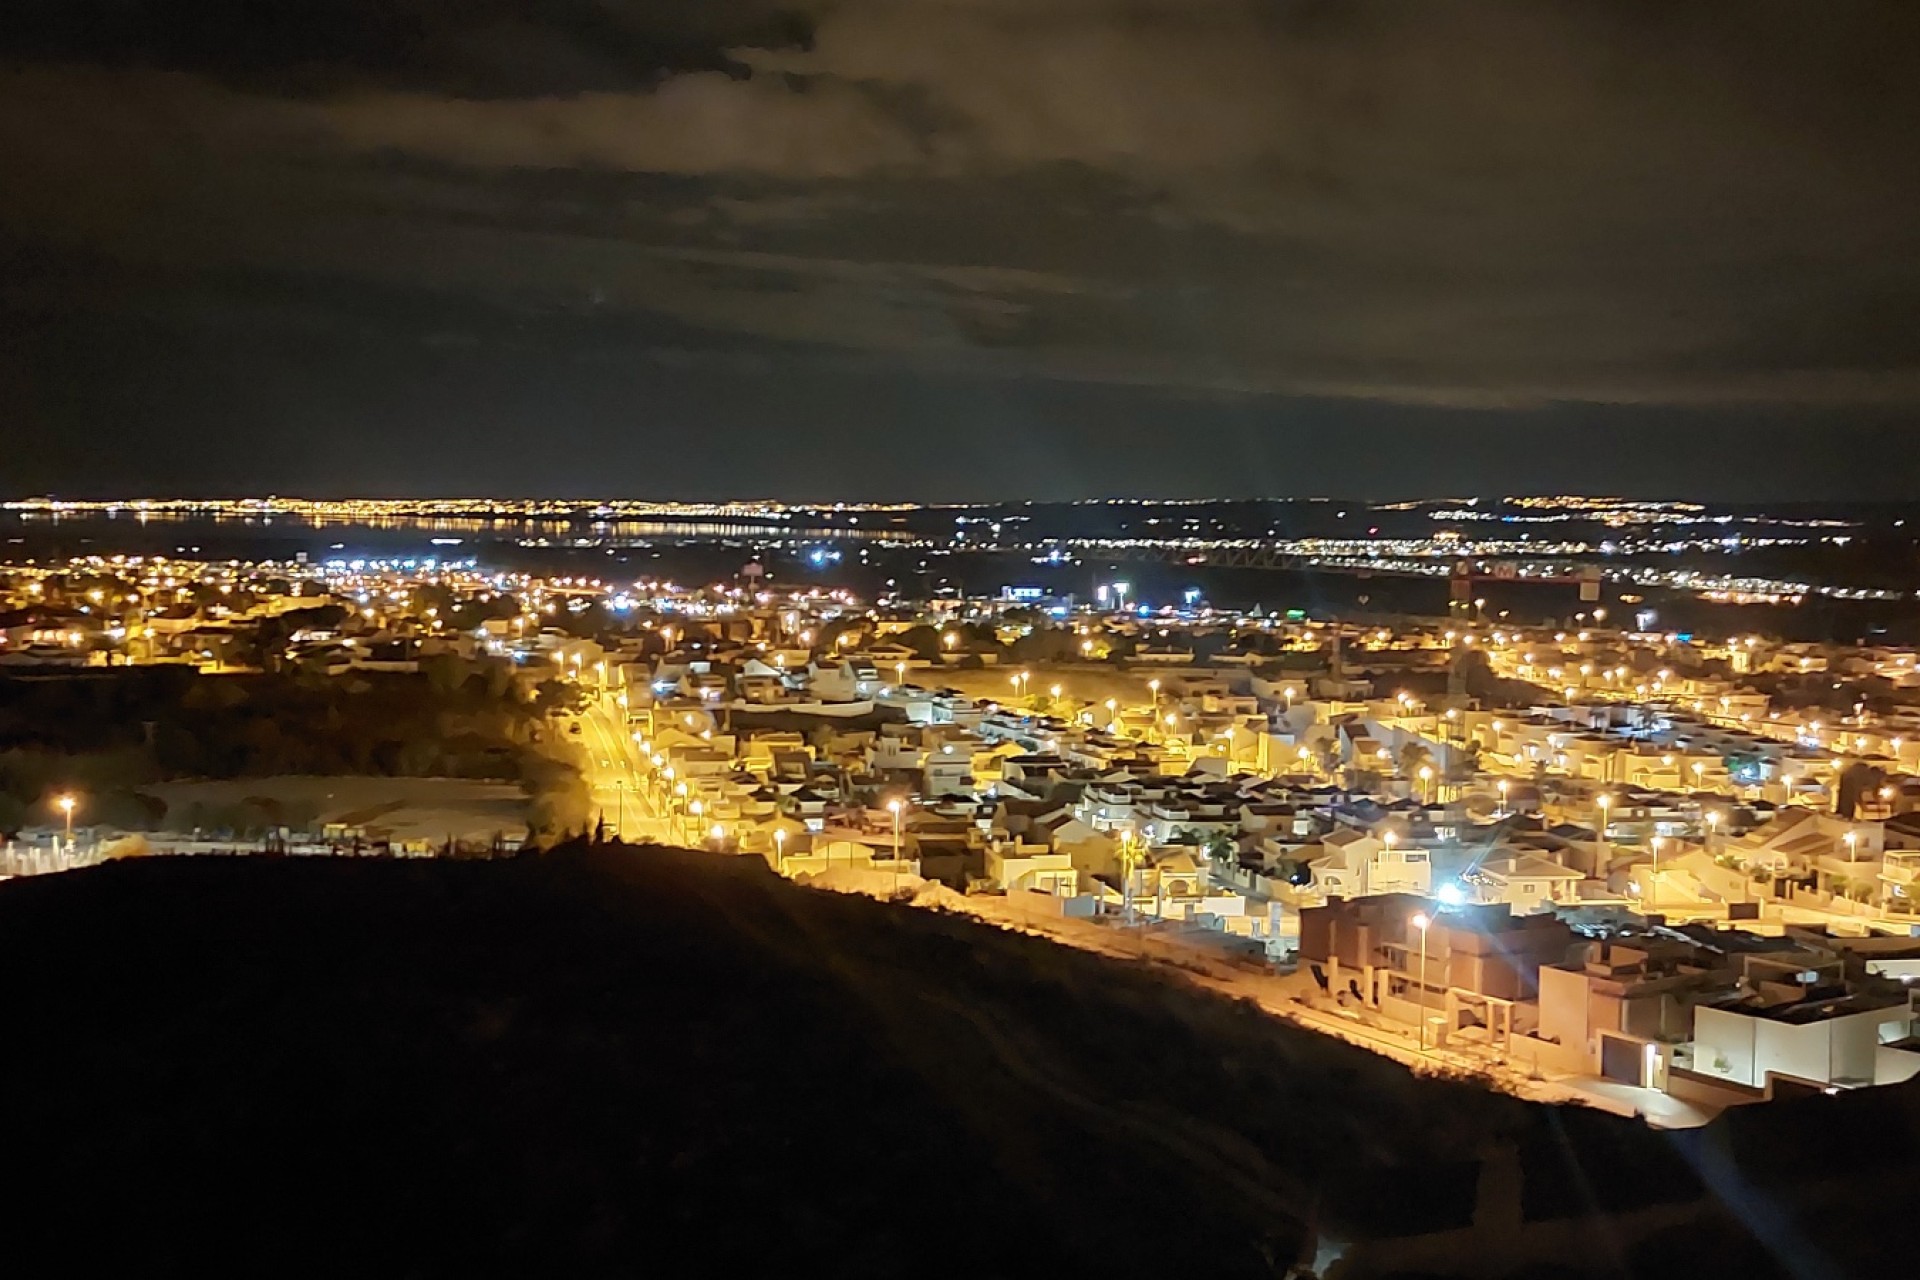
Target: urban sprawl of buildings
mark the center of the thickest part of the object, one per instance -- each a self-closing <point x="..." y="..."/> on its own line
<point x="1656" y="872"/>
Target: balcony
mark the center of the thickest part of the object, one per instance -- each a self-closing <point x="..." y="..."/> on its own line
<point x="1901" y="866"/>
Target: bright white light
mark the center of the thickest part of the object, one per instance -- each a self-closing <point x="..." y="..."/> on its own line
<point x="1451" y="895"/>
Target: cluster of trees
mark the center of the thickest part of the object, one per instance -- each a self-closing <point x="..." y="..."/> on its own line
<point x="558" y="800"/>
<point x="108" y="733"/>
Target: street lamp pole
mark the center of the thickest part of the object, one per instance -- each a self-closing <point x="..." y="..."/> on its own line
<point x="1653" y="890"/>
<point x="895" y="806"/>
<point x="1420" y="922"/>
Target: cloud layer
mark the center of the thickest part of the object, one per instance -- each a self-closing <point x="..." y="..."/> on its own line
<point x="1489" y="206"/>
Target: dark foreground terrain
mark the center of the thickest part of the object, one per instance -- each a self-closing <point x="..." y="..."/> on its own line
<point x="635" y="1061"/>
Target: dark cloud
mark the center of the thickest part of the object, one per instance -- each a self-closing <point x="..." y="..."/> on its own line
<point x="1236" y="217"/>
<point x="468" y="48"/>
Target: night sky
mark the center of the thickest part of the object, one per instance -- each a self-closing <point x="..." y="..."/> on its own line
<point x="960" y="248"/>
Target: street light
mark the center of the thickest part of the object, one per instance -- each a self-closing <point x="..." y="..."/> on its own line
<point x="780" y="850"/>
<point x="895" y="805"/>
<point x="1502" y="787"/>
<point x="66" y="804"/>
<point x="1420" y="921"/>
<point x="1653" y="889"/>
<point x="1129" y="861"/>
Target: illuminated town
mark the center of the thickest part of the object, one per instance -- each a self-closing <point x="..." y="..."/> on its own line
<point x="1651" y="872"/>
<point x="1239" y="639"/>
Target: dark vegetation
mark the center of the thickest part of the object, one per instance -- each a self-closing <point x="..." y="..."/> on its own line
<point x="625" y="1061"/>
<point x="108" y="733"/>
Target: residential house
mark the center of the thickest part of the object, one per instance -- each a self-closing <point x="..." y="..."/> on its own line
<point x="1525" y="881"/>
<point x="1019" y="867"/>
<point x="1354" y="864"/>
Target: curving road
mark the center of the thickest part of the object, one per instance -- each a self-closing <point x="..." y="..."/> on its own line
<point x="614" y="778"/>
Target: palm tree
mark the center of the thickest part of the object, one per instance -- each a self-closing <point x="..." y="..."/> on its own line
<point x="1327" y="755"/>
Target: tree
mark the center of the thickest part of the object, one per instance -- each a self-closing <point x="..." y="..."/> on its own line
<point x="444" y="672"/>
<point x="1045" y="644"/>
<point x="499" y="679"/>
<point x="13" y="813"/>
<point x="1463" y="763"/>
<point x="557" y="797"/>
<point x="1327" y="751"/>
<point x="976" y="637"/>
<point x="177" y="751"/>
<point x="1413" y="758"/>
<point x="923" y="640"/>
<point x="1744" y="767"/>
<point x="555" y="695"/>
